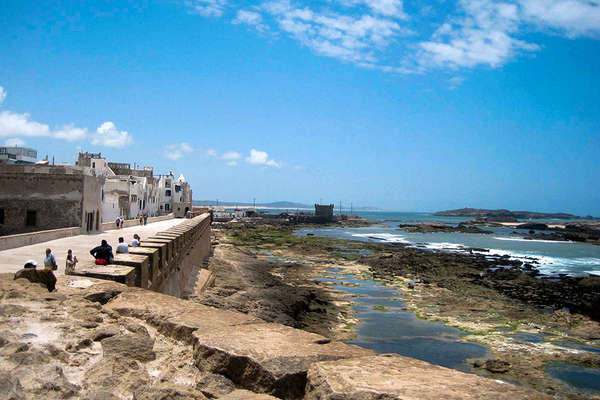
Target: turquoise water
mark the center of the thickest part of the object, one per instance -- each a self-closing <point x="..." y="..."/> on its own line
<point x="549" y="257"/>
<point x="398" y="331"/>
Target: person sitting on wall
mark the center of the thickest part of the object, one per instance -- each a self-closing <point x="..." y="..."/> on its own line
<point x="71" y="262"/>
<point x="50" y="261"/>
<point x="103" y="253"/>
<point x="136" y="241"/>
<point x="122" y="247"/>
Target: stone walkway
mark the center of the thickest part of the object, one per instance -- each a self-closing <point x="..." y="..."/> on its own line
<point x="13" y="260"/>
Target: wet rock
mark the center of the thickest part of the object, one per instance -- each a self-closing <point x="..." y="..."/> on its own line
<point x="497" y="366"/>
<point x="213" y="385"/>
<point x="134" y="346"/>
<point x="394" y="377"/>
<point x="42" y="276"/>
<point x="265" y="357"/>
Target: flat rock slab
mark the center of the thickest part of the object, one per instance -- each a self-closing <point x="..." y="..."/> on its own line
<point x="173" y="316"/>
<point x="267" y="357"/>
<point x="394" y="377"/>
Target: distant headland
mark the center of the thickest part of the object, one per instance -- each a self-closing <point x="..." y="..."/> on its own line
<point x="503" y="214"/>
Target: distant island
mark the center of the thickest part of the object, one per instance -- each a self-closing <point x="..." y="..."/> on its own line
<point x="505" y="215"/>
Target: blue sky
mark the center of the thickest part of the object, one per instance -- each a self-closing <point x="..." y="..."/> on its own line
<point x="389" y="103"/>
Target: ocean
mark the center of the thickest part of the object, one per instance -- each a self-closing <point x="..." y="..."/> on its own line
<point x="551" y="258"/>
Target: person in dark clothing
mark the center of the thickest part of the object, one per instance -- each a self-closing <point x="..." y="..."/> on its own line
<point x="103" y="253"/>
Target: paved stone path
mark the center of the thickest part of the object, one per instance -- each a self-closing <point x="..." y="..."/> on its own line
<point x="13" y="260"/>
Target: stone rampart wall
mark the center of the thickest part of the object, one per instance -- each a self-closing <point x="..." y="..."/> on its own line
<point x="167" y="262"/>
<point x="26" y="239"/>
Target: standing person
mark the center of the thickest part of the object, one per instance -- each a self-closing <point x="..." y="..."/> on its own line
<point x="71" y="262"/>
<point x="122" y="247"/>
<point x="118" y="222"/>
<point x="121" y="222"/>
<point x="136" y="240"/>
<point x="50" y="261"/>
<point x="103" y="253"/>
<point x="146" y="218"/>
<point x="141" y="219"/>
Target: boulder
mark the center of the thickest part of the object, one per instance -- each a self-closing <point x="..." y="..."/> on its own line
<point x="43" y="276"/>
<point x="266" y="357"/>
<point x="497" y="366"/>
<point x="394" y="377"/>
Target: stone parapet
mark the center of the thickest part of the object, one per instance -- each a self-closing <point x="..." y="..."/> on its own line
<point x="161" y="260"/>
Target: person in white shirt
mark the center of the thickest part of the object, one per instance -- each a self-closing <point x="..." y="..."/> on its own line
<point x="122" y="247"/>
<point x="136" y="240"/>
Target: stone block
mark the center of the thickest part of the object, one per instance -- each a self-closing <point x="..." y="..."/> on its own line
<point x="153" y="255"/>
<point x="118" y="273"/>
<point x="140" y="263"/>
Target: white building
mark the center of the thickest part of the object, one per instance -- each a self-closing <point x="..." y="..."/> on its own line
<point x="129" y="193"/>
<point x="17" y="155"/>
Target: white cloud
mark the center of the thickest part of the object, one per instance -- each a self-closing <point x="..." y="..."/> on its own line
<point x="231" y="156"/>
<point x="455" y="82"/>
<point x="574" y="17"/>
<point x="232" y="163"/>
<point x="71" y="133"/>
<point x="389" y="8"/>
<point x="108" y="135"/>
<point x="14" y="142"/>
<point x="250" y="18"/>
<point x="258" y="157"/>
<point x="14" y="124"/>
<point x="211" y="153"/>
<point x="2" y="95"/>
<point x="207" y="8"/>
<point x="186" y="147"/>
<point x="483" y="36"/>
<point x="348" y="37"/>
<point x="178" y="150"/>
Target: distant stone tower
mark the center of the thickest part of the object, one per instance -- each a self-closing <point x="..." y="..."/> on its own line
<point x="324" y="212"/>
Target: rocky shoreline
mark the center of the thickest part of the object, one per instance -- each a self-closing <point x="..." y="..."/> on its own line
<point x="492" y="305"/>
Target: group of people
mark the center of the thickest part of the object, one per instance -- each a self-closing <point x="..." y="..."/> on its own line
<point x="104" y="254"/>
<point x="50" y="262"/>
<point x="143" y="218"/>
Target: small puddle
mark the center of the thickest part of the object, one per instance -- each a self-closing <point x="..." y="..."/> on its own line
<point x="585" y="379"/>
<point x="387" y="328"/>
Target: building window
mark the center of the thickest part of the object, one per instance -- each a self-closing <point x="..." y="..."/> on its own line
<point x="1" y="215"/>
<point x="31" y="218"/>
<point x="168" y="184"/>
<point x="93" y="165"/>
<point x="133" y="198"/>
<point x="167" y="207"/>
<point x="168" y="193"/>
<point x="177" y="188"/>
